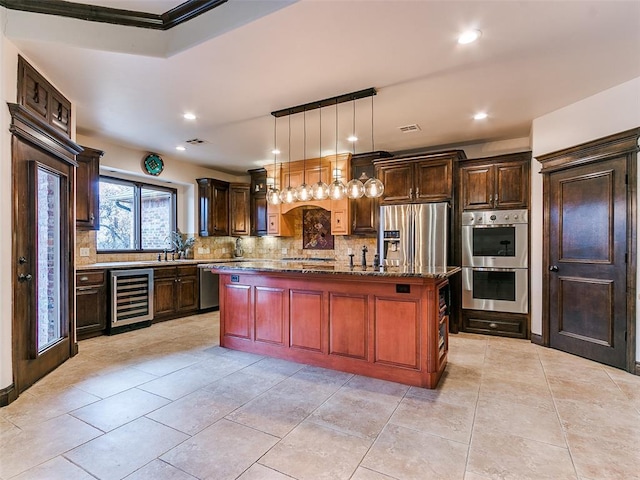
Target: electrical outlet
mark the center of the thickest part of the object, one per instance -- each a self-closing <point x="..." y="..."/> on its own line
<point x="349" y="251"/>
<point x="284" y="251"/>
<point x="207" y="251"/>
<point x="200" y="251"/>
<point x="225" y="250"/>
<point x="84" y="252"/>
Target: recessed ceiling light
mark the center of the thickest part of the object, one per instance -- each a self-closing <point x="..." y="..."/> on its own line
<point x="180" y="148"/>
<point x="469" y="36"/>
<point x="352" y="138"/>
<point x="480" y="116"/>
<point x="275" y="151"/>
<point x="189" y="116"/>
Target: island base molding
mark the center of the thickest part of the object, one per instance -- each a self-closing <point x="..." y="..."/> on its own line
<point x="393" y="329"/>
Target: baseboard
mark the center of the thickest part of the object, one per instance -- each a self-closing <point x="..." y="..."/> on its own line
<point x="8" y="395"/>
<point x="637" y="368"/>
<point x="537" y="339"/>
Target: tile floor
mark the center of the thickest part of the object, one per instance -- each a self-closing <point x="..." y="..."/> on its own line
<point x="167" y="403"/>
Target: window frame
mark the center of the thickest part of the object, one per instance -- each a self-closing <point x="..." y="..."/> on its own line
<point x="137" y="217"/>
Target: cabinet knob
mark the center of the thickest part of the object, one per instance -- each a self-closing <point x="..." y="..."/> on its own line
<point x="84" y="279"/>
<point x="417" y="192"/>
<point x="338" y="221"/>
<point x="411" y="193"/>
<point x="493" y="325"/>
<point x="553" y="268"/>
<point x="92" y="217"/>
<point x="495" y="199"/>
<point x="25" y="278"/>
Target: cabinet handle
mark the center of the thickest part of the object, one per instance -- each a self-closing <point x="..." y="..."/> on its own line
<point x="338" y="221"/>
<point x="490" y="198"/>
<point x="92" y="217"/>
<point x="417" y="193"/>
<point x="496" y="199"/>
<point x="84" y="279"/>
<point x="493" y="325"/>
<point x="411" y="194"/>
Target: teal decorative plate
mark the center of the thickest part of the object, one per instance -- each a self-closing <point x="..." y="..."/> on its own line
<point x="153" y="164"/>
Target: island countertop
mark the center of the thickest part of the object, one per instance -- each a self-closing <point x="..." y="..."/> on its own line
<point x="329" y="268"/>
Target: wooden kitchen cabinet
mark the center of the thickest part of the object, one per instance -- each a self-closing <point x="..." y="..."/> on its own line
<point x="500" y="182"/>
<point x="91" y="304"/>
<point x="88" y="189"/>
<point x="364" y="211"/>
<point x="258" y="199"/>
<point x="175" y="292"/>
<point x="239" y="209"/>
<point x="213" y="207"/>
<point x="417" y="179"/>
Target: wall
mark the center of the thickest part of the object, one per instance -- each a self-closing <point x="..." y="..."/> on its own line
<point x="608" y="112"/>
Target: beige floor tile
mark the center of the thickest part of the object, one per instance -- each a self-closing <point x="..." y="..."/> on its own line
<point x="314" y="452"/>
<point x="475" y="476"/>
<point x="609" y="458"/>
<point x="407" y="454"/>
<point x="242" y="386"/>
<point x="7" y="429"/>
<point x="450" y="389"/>
<point x="501" y="456"/>
<point x="115" y="382"/>
<point x="41" y="442"/>
<point x="532" y="422"/>
<point x="260" y="472"/>
<point x="516" y="390"/>
<point x="119" y="409"/>
<point x="159" y="470"/>
<point x="273" y="368"/>
<point x="124" y="450"/>
<point x="222" y="451"/>
<point x="31" y="409"/>
<point x="453" y="422"/>
<point x="597" y="393"/>
<point x="58" y="468"/>
<point x="366" y="474"/>
<point x="612" y="420"/>
<point x="165" y="364"/>
<point x="375" y="390"/>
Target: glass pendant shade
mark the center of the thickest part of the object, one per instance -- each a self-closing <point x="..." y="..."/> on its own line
<point x="304" y="192"/>
<point x="288" y="195"/>
<point x="373" y="188"/>
<point x="355" y="189"/>
<point x="320" y="190"/>
<point x="273" y="197"/>
<point x="337" y="190"/>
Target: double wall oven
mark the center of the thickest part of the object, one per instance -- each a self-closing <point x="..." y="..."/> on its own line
<point x="495" y="260"/>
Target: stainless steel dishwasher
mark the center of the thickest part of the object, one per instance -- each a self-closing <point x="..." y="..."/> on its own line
<point x="209" y="289"/>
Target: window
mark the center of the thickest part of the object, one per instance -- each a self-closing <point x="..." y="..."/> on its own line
<point x="135" y="216"/>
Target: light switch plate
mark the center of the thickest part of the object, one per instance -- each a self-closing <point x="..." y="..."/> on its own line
<point x="84" y="252"/>
<point x="200" y="250"/>
<point x="284" y="251"/>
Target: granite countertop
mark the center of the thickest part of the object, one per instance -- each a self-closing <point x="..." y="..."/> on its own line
<point x="150" y="264"/>
<point x="331" y="268"/>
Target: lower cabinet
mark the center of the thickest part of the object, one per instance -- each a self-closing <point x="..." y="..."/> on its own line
<point x="175" y="292"/>
<point x="496" y="323"/>
<point x="91" y="304"/>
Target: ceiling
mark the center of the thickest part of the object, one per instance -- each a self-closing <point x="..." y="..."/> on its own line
<point x="235" y="64"/>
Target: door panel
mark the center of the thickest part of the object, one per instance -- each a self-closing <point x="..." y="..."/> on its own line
<point x="587" y="247"/>
<point x="43" y="335"/>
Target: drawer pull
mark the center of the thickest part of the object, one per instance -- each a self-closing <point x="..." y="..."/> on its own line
<point x="493" y="325"/>
<point x="84" y="279"/>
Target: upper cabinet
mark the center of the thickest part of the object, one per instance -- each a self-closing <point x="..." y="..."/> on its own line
<point x="418" y="178"/>
<point x="88" y="189"/>
<point x="258" y="198"/>
<point x="213" y="208"/>
<point x="240" y="206"/>
<point x="364" y="211"/>
<point x="500" y="182"/>
<point x="39" y="96"/>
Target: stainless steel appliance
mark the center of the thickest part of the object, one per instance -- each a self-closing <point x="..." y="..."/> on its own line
<point x="131" y="299"/>
<point x="495" y="238"/>
<point x="414" y="235"/>
<point x="495" y="275"/>
<point x="209" y="289"/>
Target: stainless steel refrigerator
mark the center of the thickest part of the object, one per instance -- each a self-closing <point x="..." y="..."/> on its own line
<point x="414" y="235"/>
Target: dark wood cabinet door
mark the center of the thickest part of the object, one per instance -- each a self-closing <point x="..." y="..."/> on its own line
<point x="220" y="209"/>
<point x="60" y="113"/>
<point x="512" y="185"/>
<point x="88" y="189"/>
<point x="477" y="187"/>
<point x="259" y="215"/>
<point x="433" y="181"/>
<point x="398" y="183"/>
<point x="187" y="296"/>
<point x="240" y="202"/>
<point x="164" y="297"/>
<point x="213" y="207"/>
<point x="91" y="304"/>
<point x="364" y="211"/>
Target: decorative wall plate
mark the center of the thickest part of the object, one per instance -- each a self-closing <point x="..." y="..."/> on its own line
<point x="153" y="164"/>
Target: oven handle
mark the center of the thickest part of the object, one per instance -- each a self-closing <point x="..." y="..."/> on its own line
<point x="495" y="269"/>
<point x="494" y="225"/>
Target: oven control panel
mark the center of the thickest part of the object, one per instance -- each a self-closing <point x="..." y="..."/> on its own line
<point x="495" y="217"/>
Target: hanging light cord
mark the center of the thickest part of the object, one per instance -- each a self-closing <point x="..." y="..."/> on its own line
<point x="304" y="147"/>
<point x="289" y="182"/>
<point x="320" y="148"/>
<point x="335" y="178"/>
<point x="372" y="147"/>
<point x="275" y="147"/>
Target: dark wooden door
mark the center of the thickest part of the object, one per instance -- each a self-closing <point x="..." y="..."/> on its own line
<point x="43" y="335"/>
<point x="587" y="267"/>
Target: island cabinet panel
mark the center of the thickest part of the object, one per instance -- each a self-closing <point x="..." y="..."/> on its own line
<point x="397" y="332"/>
<point x="349" y="325"/>
<point x="238" y="319"/>
<point x="306" y="334"/>
<point x="391" y="328"/>
<point x="269" y="313"/>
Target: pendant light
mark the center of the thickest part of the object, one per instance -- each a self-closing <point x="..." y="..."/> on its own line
<point x="320" y="190"/>
<point x="288" y="195"/>
<point x="304" y="191"/>
<point x="336" y="189"/>
<point x="355" y="188"/>
<point x="273" y="197"/>
<point x="373" y="188"/>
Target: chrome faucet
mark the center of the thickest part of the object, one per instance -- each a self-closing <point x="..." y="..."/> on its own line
<point x="364" y="255"/>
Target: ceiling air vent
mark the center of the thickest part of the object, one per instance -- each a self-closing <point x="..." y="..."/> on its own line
<point x="414" y="127"/>
<point x="196" y="141"/>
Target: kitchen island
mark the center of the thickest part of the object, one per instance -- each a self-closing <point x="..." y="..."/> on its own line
<point x="389" y="323"/>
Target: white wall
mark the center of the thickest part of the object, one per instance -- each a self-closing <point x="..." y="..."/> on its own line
<point x="608" y="112"/>
<point x="125" y="162"/>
